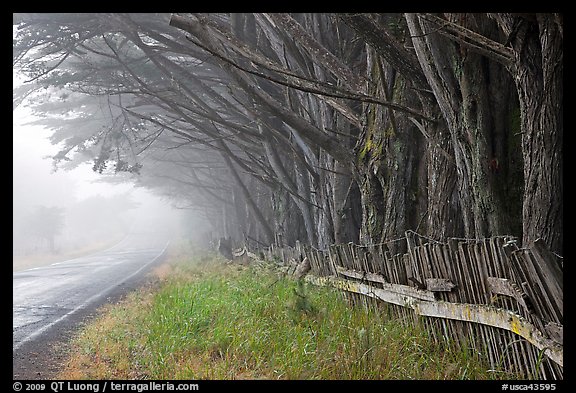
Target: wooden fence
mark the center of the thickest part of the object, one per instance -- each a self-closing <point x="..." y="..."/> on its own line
<point x="503" y="301"/>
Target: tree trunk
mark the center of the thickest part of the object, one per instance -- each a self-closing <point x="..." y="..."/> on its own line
<point x="459" y="80"/>
<point x="443" y="214"/>
<point x="268" y="232"/>
<point x="539" y="80"/>
<point x="386" y="158"/>
<point x="344" y="193"/>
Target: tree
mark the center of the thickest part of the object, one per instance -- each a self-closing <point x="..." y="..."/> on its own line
<point x="45" y="223"/>
<point x="318" y="127"/>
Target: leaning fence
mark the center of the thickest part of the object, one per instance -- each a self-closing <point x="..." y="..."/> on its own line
<point x="504" y="301"/>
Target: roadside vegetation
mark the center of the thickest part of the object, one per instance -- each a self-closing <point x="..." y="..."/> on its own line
<point x="205" y="318"/>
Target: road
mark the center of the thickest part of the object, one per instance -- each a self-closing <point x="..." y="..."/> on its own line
<point x="50" y="301"/>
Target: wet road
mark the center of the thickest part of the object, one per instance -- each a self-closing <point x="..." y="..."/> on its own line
<point x="46" y="297"/>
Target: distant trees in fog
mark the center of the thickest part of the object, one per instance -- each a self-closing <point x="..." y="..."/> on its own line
<point x="85" y="223"/>
<point x="43" y="225"/>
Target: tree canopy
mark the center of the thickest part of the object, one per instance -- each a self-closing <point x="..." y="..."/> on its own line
<point x="323" y="128"/>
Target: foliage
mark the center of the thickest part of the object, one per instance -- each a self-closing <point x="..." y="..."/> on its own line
<point x="208" y="320"/>
<point x="222" y="111"/>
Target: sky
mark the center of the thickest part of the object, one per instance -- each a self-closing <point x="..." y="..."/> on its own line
<point x="30" y="146"/>
<point x="34" y="183"/>
<point x="34" y="180"/>
<point x="33" y="171"/>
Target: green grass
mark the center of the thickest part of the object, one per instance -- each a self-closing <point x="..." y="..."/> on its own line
<point x="211" y="320"/>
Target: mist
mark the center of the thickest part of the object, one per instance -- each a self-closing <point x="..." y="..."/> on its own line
<point x="59" y="214"/>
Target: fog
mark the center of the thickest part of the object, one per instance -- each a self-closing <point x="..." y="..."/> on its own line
<point x="63" y="212"/>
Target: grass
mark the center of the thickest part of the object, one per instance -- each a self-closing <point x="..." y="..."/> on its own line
<point x="207" y="319"/>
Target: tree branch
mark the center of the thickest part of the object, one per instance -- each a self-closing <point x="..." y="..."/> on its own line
<point x="477" y="42"/>
<point x="299" y="83"/>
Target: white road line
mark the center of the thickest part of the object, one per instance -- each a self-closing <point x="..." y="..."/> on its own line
<point x="74" y="259"/>
<point x="41" y="330"/>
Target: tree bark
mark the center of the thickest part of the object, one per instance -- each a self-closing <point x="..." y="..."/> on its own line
<point x="268" y="232"/>
<point x="459" y="80"/>
<point x="538" y="55"/>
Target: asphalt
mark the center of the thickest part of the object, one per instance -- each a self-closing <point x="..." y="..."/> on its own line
<point x="50" y="303"/>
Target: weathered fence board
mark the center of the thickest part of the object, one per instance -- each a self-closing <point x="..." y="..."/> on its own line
<point x="504" y="301"/>
<point x="399" y="289"/>
<point x="481" y="314"/>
